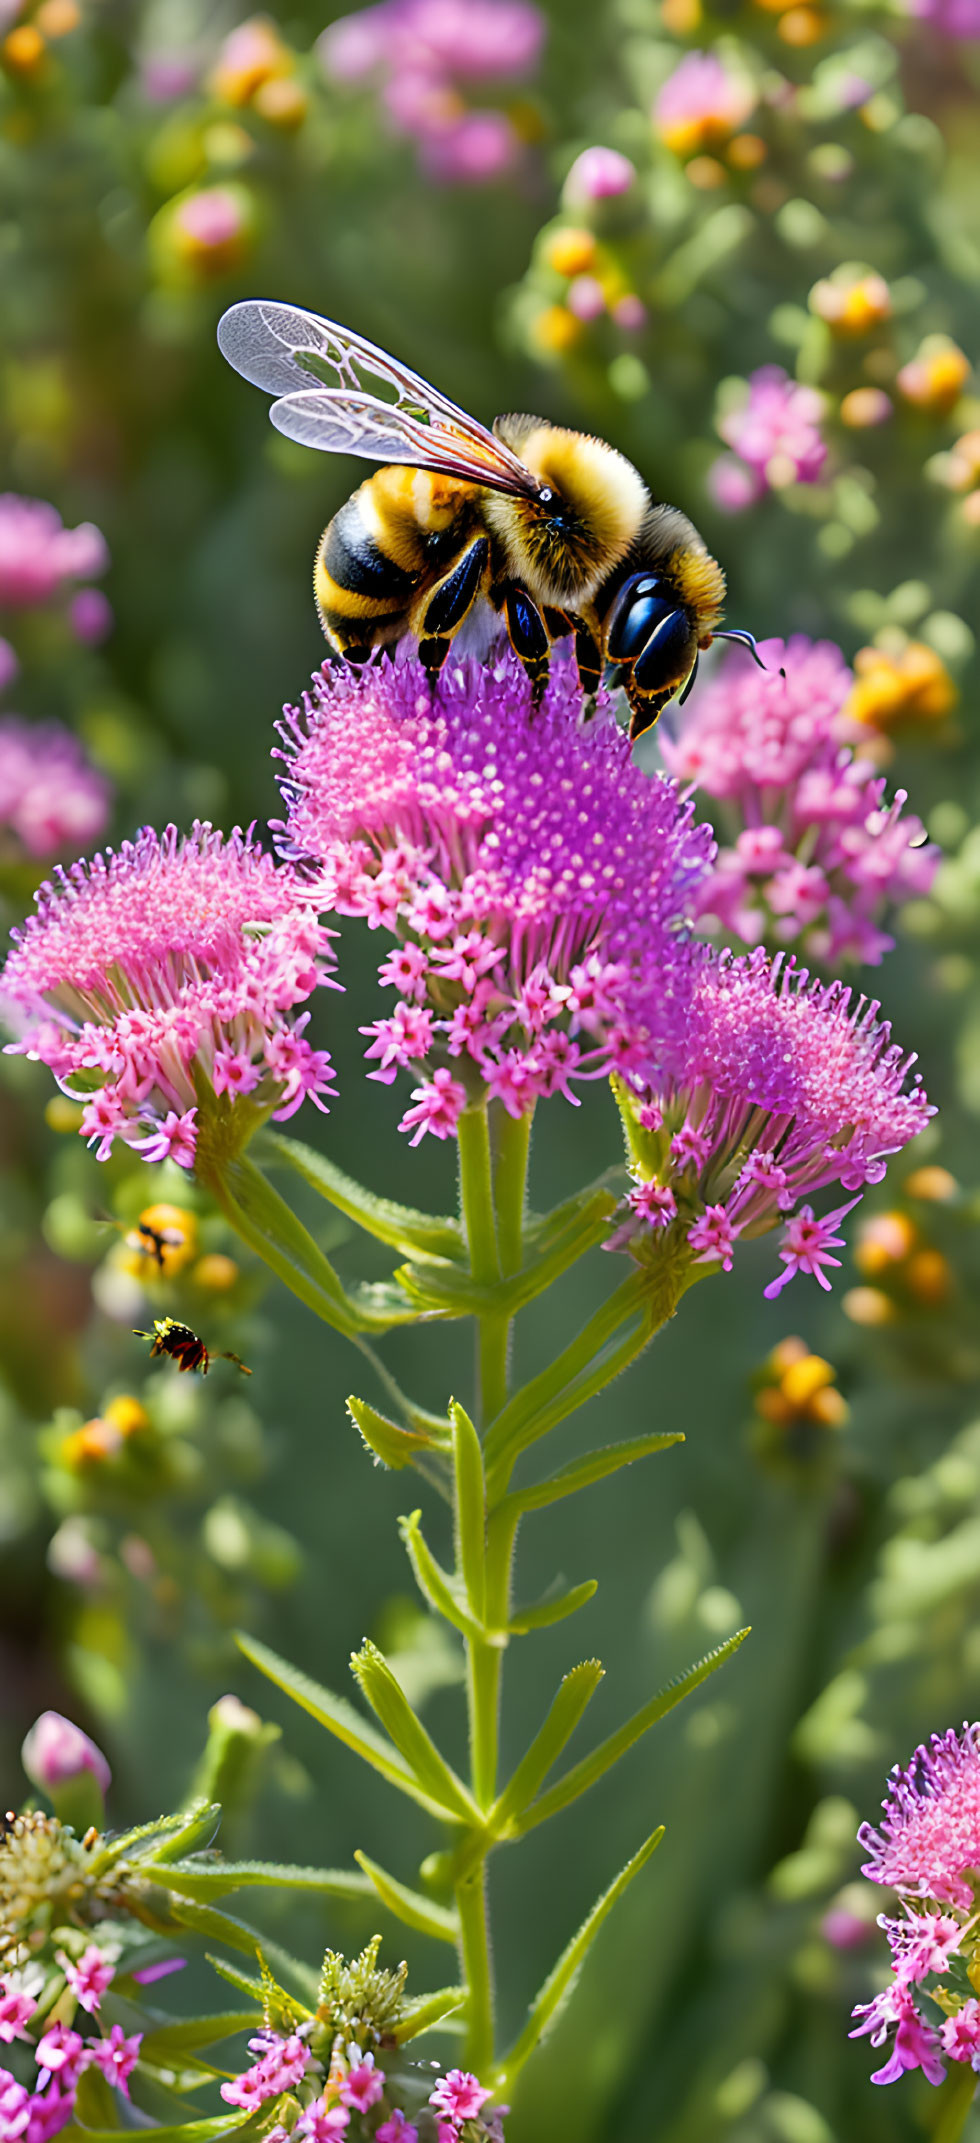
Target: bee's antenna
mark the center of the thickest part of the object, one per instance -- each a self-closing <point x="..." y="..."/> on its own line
<point x="749" y="642"/>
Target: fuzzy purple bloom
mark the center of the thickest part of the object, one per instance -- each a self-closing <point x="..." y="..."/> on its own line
<point x="816" y="853"/>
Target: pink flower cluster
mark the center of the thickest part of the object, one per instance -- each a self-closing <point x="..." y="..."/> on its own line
<point x="928" y="1849"/>
<point x="353" y="2086"/>
<point x="815" y="850"/>
<point x="538" y="887"/>
<point x="957" y="19"/>
<point x="775" y="433"/>
<point x="777" y="1087"/>
<point x="701" y="102"/>
<point x="38" y="555"/>
<point x="419" y="52"/>
<point x="50" y="796"/>
<point x="61" y="2054"/>
<point x="529" y="875"/>
<point x="172" y="964"/>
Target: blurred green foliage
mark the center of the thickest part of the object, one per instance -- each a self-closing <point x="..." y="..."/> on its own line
<point x="717" y="2006"/>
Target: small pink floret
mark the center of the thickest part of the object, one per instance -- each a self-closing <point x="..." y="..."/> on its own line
<point x="459" y="2094"/>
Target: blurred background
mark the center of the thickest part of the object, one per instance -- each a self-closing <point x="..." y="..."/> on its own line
<point x="739" y="241"/>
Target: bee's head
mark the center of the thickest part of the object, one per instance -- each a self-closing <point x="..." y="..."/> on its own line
<point x="589" y="508"/>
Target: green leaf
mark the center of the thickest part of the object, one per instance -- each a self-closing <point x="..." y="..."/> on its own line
<point x="207" y="1881"/>
<point x="414" y="1233"/>
<point x="387" y="1698"/>
<point x="575" y="1691"/>
<point x="186" y="2034"/>
<point x="206" y="1920"/>
<point x="339" y="1718"/>
<point x="199" y="1826"/>
<point x="130" y="1843"/>
<point x="559" y="1983"/>
<point x="428" y="2010"/>
<point x="393" y="1445"/>
<point x="409" y="1905"/>
<point x="433" y="1581"/>
<point x="471" y="1508"/>
<point x="584" y="1774"/>
<point x="244" y="1983"/>
<point x="554" y="1609"/>
<point x="583" y="1472"/>
<point x="183" y="2132"/>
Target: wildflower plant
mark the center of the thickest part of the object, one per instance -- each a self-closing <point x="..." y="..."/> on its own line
<point x="533" y="890"/>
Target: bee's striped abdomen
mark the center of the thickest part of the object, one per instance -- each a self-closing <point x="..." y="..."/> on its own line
<point x="362" y="593"/>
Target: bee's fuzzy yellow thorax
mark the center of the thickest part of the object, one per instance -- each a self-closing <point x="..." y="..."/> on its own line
<point x="702" y="585"/>
<point x="602" y="501"/>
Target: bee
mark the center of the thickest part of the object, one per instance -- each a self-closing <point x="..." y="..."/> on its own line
<point x="184" y="1347"/>
<point x="546" y="532"/>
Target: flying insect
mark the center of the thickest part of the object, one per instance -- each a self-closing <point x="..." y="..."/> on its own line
<point x="184" y="1347"/>
<point x="548" y="531"/>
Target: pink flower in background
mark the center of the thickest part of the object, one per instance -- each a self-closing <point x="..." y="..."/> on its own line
<point x="91" y="617"/>
<point x="56" y="1751"/>
<point x="418" y="53"/>
<point x="148" y="966"/>
<point x="459" y="2095"/>
<point x="51" y="798"/>
<point x="9" y="664"/>
<point x="958" y="19"/>
<point x="16" y="2011"/>
<point x="701" y="103"/>
<point x="89" y="1978"/>
<point x="38" y="553"/>
<point x="816" y="853"/>
<point x="597" y="175"/>
<point x="775" y="429"/>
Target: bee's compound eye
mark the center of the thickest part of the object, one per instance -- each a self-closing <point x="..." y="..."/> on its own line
<point x="545" y="497"/>
<point x="668" y="657"/>
<point x="643" y="603"/>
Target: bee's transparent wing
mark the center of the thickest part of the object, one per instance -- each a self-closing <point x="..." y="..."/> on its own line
<point x="286" y="350"/>
<point x="341" y="423"/>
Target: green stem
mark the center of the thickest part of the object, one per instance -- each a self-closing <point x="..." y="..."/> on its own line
<point x="510" y="1187"/>
<point x="471" y="1904"/>
<point x="476" y="1194"/>
<point x="955" y="2101"/>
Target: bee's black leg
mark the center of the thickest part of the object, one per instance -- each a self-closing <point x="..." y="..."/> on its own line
<point x="588" y="657"/>
<point x="450" y="603"/>
<point x="528" y="638"/>
<point x="646" y="708"/>
<point x="432" y="655"/>
<point x="557" y="624"/>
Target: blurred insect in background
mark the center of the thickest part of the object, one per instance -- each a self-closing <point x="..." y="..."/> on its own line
<point x="550" y="530"/>
<point x="184" y="1347"/>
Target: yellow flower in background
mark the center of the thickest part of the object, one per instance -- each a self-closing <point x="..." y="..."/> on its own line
<point x="892" y="690"/>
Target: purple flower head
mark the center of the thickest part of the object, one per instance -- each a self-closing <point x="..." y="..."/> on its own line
<point x="597" y="175"/>
<point x="929" y="1840"/>
<point x="816" y="853"/>
<point x="775" y="429"/>
<point x="56" y="1751"/>
<point x="915" y="2045"/>
<point x="533" y="878"/>
<point x="170" y="958"/>
<point x="50" y="797"/>
<point x="418" y="52"/>
<point x="38" y="553"/>
<point x="283" y="2064"/>
<point x="957" y="19"/>
<point x="771" y="1086"/>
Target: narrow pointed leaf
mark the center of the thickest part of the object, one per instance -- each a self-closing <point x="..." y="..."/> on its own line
<point x="338" y="1717"/>
<point x="414" y="1233"/>
<point x="182" y="2132"/>
<point x="471" y="1508"/>
<point x="574" y="1693"/>
<point x="273" y="1231"/>
<point x="584" y="1774"/>
<point x="186" y="2034"/>
<point x="393" y="1445"/>
<point x="221" y="1927"/>
<point x="132" y="1842"/>
<point x="199" y="1826"/>
<point x="409" y="1905"/>
<point x="241" y="1981"/>
<point x="583" y="1472"/>
<point x="204" y="1881"/>
<point x="554" y="1610"/>
<point x="428" y="2011"/>
<point x="559" y="1983"/>
<point x="433" y="1581"/>
<point x="452" y="1292"/>
<point x="387" y="1697"/>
